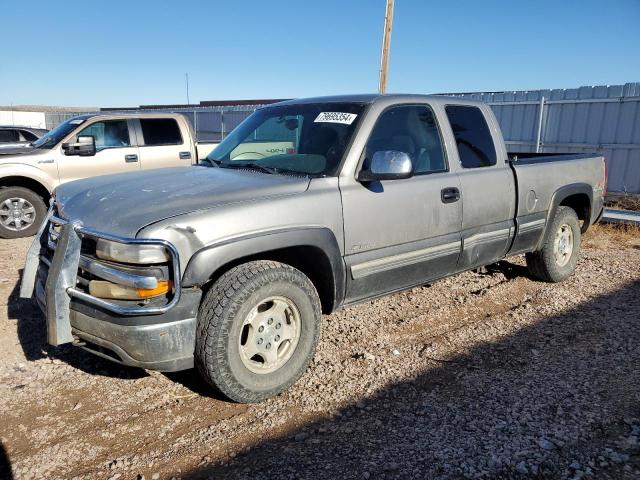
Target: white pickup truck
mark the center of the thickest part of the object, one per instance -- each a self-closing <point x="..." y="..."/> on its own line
<point x="88" y="146"/>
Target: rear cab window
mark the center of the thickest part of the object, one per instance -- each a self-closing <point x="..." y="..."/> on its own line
<point x="160" y="131"/>
<point x="473" y="137"/>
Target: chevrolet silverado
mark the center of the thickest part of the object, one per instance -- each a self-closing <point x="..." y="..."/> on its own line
<point x="227" y="266"/>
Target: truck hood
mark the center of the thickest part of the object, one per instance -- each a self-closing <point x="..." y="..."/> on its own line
<point x="7" y="153"/>
<point x="125" y="203"/>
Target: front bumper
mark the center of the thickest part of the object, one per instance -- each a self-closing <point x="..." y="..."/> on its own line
<point x="160" y="337"/>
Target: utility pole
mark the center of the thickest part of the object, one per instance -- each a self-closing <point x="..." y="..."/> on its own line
<point x="187" y="77"/>
<point x="386" y="43"/>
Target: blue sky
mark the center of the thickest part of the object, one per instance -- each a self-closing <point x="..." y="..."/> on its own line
<point x="123" y="53"/>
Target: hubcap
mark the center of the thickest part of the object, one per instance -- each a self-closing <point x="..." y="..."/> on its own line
<point x="563" y="245"/>
<point x="17" y="214"/>
<point x="269" y="335"/>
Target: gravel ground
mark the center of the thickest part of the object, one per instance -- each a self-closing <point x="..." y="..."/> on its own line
<point x="479" y="376"/>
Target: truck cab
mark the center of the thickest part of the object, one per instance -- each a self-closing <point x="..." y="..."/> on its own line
<point x="455" y="211"/>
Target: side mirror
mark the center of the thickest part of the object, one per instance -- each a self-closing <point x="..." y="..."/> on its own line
<point x="387" y="165"/>
<point x="84" y="147"/>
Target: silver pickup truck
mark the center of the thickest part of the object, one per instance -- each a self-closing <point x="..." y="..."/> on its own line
<point x="227" y="266"/>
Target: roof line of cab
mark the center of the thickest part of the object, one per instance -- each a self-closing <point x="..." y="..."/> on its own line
<point x="87" y="116"/>
<point x="378" y="98"/>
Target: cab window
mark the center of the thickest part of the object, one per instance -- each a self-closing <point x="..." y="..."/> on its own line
<point x="411" y="129"/>
<point x="473" y="137"/>
<point x="108" y="134"/>
<point x="160" y="131"/>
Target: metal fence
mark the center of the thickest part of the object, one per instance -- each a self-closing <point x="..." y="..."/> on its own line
<point x="53" y="119"/>
<point x="601" y="119"/>
<point x="211" y="124"/>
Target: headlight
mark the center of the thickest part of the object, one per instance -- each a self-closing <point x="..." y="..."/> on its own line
<point x="104" y="289"/>
<point x="131" y="253"/>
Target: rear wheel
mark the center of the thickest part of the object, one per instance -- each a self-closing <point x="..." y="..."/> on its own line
<point x="21" y="212"/>
<point x="557" y="259"/>
<point x="258" y="327"/>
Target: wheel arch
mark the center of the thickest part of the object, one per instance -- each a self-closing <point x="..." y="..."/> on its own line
<point x="27" y="182"/>
<point x="581" y="204"/>
<point x="312" y="250"/>
<point x="578" y="196"/>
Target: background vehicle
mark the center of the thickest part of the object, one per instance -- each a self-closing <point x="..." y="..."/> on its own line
<point x="15" y="136"/>
<point x="228" y="268"/>
<point x="86" y="146"/>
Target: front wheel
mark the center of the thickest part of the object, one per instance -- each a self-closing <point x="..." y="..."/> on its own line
<point x="557" y="259"/>
<point x="258" y="327"/>
<point x="21" y="212"/>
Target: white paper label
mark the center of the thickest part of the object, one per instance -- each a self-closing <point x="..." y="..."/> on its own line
<point x="77" y="121"/>
<point x="336" y="117"/>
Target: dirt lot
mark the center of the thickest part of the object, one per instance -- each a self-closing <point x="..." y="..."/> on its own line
<point x="479" y="376"/>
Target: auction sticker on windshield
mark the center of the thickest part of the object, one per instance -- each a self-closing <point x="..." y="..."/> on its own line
<point x="336" y="117"/>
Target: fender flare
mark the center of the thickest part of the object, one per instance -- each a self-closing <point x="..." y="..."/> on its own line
<point x="28" y="172"/>
<point x="556" y="199"/>
<point x="203" y="264"/>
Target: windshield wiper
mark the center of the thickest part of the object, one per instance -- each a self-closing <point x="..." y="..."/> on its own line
<point x="210" y="161"/>
<point x="254" y="166"/>
<point x="262" y="168"/>
<point x="287" y="171"/>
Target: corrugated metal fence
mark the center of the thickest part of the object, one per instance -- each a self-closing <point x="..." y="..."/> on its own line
<point x="602" y="119"/>
<point x="53" y="119"/>
<point x="211" y="124"/>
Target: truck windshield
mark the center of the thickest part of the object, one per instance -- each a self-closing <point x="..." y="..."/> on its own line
<point x="309" y="139"/>
<point x="53" y="137"/>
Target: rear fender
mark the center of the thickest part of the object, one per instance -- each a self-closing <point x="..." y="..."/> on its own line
<point x="558" y="197"/>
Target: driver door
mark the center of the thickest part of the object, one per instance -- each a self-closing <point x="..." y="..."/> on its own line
<point x="402" y="233"/>
<point x="115" y="152"/>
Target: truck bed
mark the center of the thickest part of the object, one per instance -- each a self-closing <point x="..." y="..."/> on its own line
<point x="543" y="181"/>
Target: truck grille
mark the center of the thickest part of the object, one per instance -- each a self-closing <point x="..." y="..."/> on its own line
<point x="75" y="282"/>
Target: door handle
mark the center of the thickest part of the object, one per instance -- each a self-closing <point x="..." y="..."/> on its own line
<point x="131" y="158"/>
<point x="185" y="155"/>
<point x="450" y="195"/>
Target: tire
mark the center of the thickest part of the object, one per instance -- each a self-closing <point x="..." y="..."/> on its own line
<point x="29" y="204"/>
<point x="255" y="292"/>
<point x="553" y="263"/>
